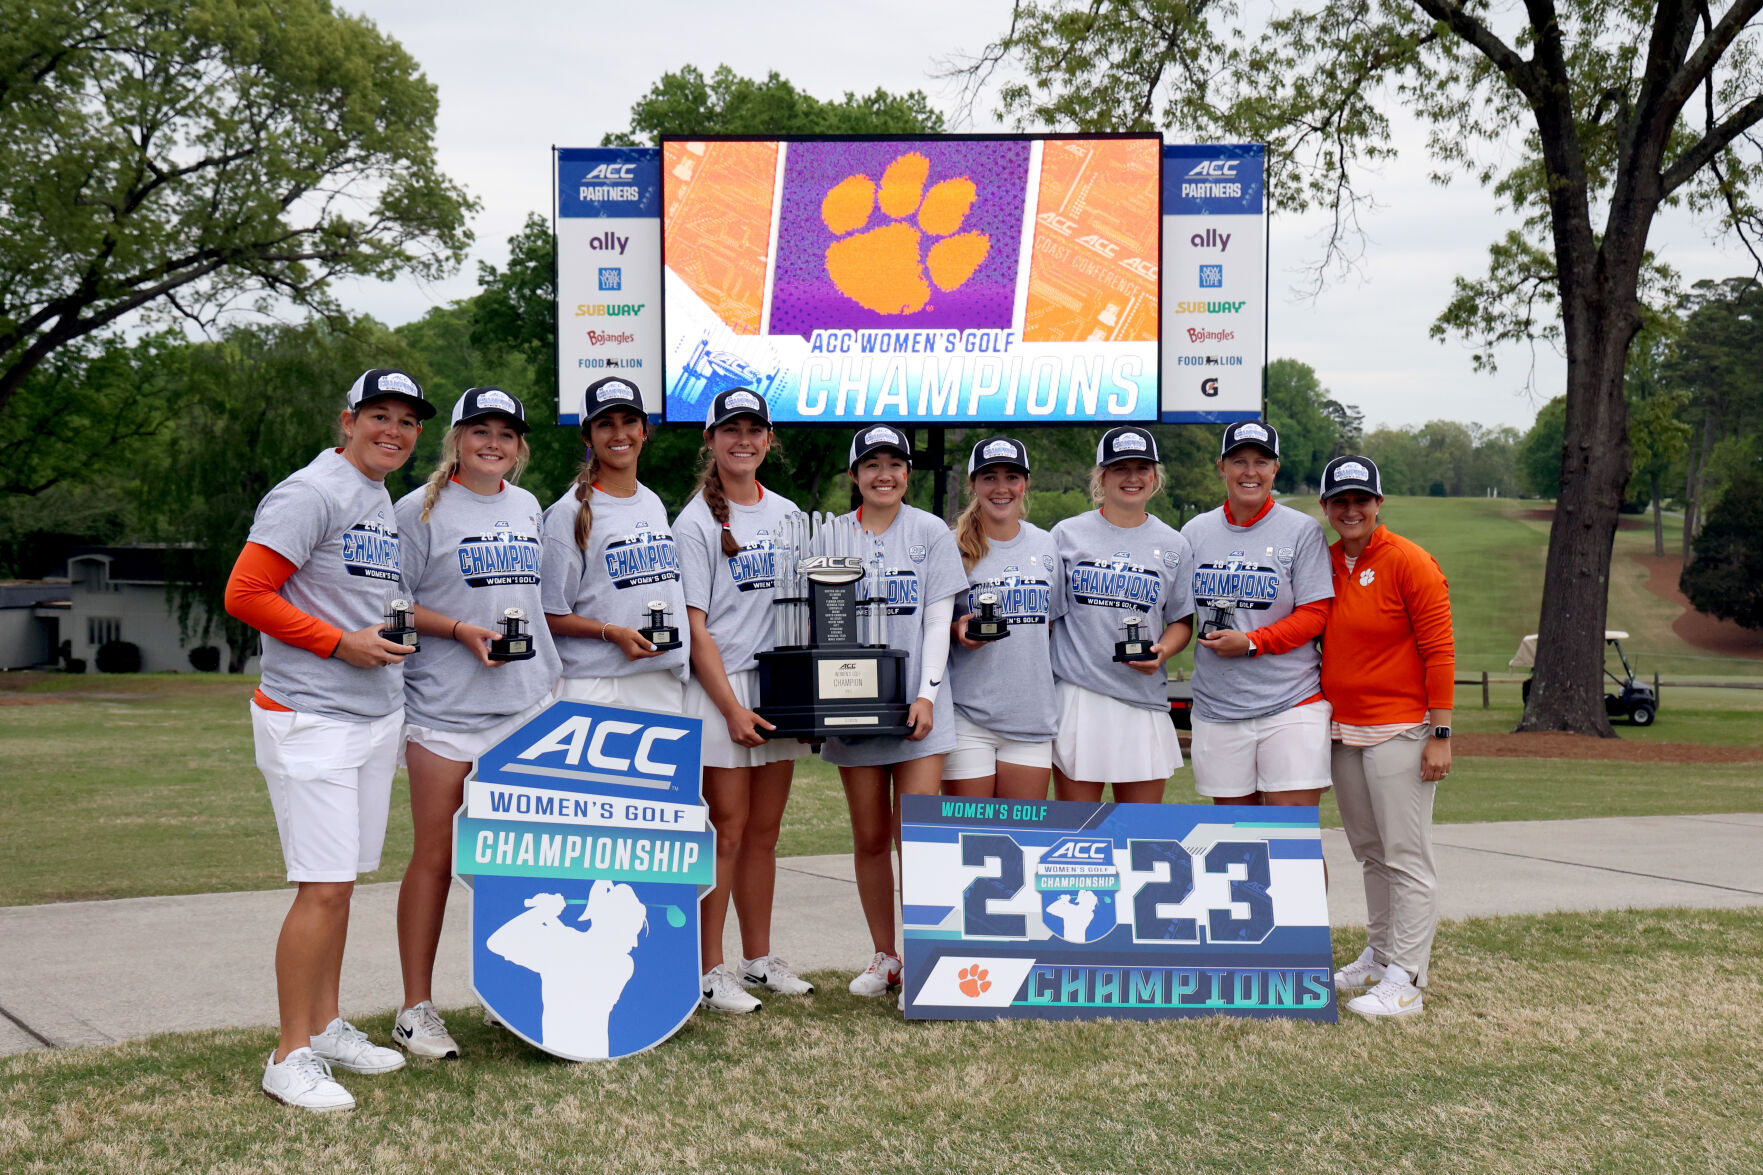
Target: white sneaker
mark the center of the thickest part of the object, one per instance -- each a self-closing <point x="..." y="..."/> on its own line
<point x="304" y="1081"/>
<point x="347" y="1047"/>
<point x="1361" y="972"/>
<point x="421" y="1032"/>
<point x="773" y="974"/>
<point x="1394" y="995"/>
<point x="724" y="993"/>
<point x="882" y="974"/>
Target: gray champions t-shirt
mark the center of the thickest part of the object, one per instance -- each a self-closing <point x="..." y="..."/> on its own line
<point x="336" y="525"/>
<point x="631" y="559"/>
<point x="1006" y="686"/>
<point x="733" y="591"/>
<point x="476" y="556"/>
<point x="1107" y="571"/>
<point x="1250" y="577"/>
<point x="922" y="566"/>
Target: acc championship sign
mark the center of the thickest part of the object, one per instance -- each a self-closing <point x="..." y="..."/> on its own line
<point x="586" y="846"/>
<point x="1063" y="911"/>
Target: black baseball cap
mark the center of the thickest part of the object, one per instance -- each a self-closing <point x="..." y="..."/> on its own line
<point x="388" y="383"/>
<point x="727" y="405"/>
<point x="997" y="451"/>
<point x="1348" y="473"/>
<point x="879" y="436"/>
<point x="1126" y="443"/>
<point x="1250" y="432"/>
<point x="603" y="395"/>
<point x="479" y="402"/>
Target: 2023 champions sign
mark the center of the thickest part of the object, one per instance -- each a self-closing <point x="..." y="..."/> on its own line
<point x="940" y="280"/>
<point x="1063" y="911"/>
<point x="586" y="846"/>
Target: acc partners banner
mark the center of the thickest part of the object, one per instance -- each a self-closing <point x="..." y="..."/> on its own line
<point x="1214" y="282"/>
<point x="915" y="280"/>
<point x="608" y="272"/>
<point x="1063" y="911"/>
<point x="586" y="846"/>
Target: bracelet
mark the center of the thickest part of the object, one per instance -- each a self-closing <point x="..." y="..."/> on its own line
<point x="454" y="635"/>
<point x="604" y="629"/>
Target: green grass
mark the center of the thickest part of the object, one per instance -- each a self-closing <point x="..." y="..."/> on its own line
<point x="1562" y="1043"/>
<point x="131" y="786"/>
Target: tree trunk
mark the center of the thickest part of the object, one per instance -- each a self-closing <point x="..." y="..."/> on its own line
<point x="1658" y="521"/>
<point x="1567" y="691"/>
<point x="1698" y="464"/>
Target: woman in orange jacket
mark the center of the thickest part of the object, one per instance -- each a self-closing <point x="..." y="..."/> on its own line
<point x="1387" y="667"/>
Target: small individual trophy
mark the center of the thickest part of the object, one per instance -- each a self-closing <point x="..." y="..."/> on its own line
<point x="515" y="643"/>
<point x="1135" y="647"/>
<point x="1221" y="616"/>
<point x="400" y="626"/>
<point x="987" y="625"/>
<point x="658" y="631"/>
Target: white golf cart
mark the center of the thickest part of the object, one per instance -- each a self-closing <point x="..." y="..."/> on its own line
<point x="1632" y="700"/>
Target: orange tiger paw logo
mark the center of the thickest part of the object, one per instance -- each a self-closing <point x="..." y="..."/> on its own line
<point x="974" y="981"/>
<point x="887" y="268"/>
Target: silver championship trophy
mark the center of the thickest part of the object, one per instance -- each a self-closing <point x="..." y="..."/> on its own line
<point x="514" y="643"/>
<point x="986" y="624"/>
<point x="830" y="672"/>
<point x="400" y="626"/>
<point x="658" y="631"/>
<point x="1135" y="647"/>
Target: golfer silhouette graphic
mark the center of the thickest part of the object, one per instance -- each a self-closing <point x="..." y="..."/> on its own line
<point x="581" y="973"/>
<point x="1075" y="914"/>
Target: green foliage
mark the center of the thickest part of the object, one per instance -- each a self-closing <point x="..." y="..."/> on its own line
<point x="1308" y="420"/>
<point x="688" y="103"/>
<point x="1726" y="577"/>
<point x="1462" y="460"/>
<point x="177" y="158"/>
<point x="1539" y="454"/>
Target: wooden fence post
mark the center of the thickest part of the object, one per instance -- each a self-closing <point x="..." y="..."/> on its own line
<point x="1484" y="689"/>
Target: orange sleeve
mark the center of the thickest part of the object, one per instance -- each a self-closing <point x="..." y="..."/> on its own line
<point x="251" y="597"/>
<point x="1304" y="625"/>
<point x="1428" y="600"/>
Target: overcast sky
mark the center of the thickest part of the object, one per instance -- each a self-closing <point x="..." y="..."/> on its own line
<point x="539" y="73"/>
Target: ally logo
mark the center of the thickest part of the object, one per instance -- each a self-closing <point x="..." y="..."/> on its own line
<point x="586" y="846"/>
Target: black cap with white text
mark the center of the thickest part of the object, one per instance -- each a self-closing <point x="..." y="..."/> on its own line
<point x="604" y="395"/>
<point x="879" y="436"/>
<point x="388" y="383"/>
<point x="478" y="402"/>
<point x="726" y="405"/>
<point x="1250" y="432"/>
<point x="997" y="451"/>
<point x="1126" y="443"/>
<point x="1351" y="473"/>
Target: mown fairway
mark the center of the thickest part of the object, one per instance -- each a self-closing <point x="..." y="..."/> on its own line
<point x="1564" y="1044"/>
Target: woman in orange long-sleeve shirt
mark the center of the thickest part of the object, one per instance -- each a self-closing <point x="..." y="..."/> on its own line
<point x="1387" y="667"/>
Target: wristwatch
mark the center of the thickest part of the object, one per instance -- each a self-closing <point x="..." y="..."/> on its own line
<point x="1441" y="732"/>
<point x="1253" y="651"/>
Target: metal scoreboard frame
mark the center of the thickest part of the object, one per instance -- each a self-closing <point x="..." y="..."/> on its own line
<point x="1212" y="295"/>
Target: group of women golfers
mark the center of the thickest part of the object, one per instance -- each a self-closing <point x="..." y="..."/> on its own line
<point x="1253" y="585"/>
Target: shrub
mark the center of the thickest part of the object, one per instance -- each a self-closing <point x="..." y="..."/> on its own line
<point x="119" y="657"/>
<point x="205" y="659"/>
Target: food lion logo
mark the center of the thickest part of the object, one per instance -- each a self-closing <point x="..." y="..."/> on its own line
<point x="1366" y="576"/>
<point x="886" y="267"/>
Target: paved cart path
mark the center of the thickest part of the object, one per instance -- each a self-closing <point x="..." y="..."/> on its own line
<point x="89" y="973"/>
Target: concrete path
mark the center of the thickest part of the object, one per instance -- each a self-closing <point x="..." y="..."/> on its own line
<point x="85" y="973"/>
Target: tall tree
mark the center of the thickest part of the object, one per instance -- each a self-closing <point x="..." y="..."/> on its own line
<point x="1625" y="107"/>
<point x="517" y="307"/>
<point x="180" y="158"/>
<point x="1715" y="362"/>
<point x="1309" y="434"/>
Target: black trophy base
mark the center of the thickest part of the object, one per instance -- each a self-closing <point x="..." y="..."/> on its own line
<point x="987" y="630"/>
<point x="817" y="694"/>
<point x="1133" y="651"/>
<point x="402" y="636"/>
<point x="663" y="638"/>
<point x="512" y="648"/>
<point x="1209" y="627"/>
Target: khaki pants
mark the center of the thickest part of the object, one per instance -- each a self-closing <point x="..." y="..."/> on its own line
<point x="1387" y="813"/>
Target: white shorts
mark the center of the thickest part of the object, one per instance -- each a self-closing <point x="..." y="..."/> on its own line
<point x="1104" y="740"/>
<point x="466" y="746"/>
<point x="1287" y="751"/>
<point x="330" y="784"/>
<point x="719" y="750"/>
<point x="656" y="689"/>
<point x="978" y="752"/>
